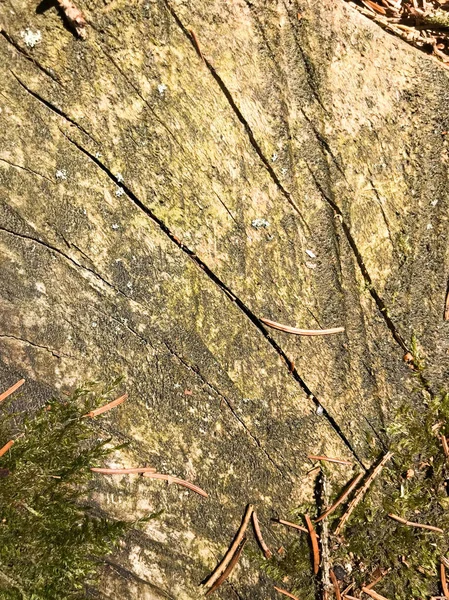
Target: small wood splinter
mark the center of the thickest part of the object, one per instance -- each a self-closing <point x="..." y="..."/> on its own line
<point x="341" y="499"/>
<point x="227" y="558"/>
<point x="296" y="331"/>
<point x="177" y="481"/>
<point x="335" y="584"/>
<point x="229" y="568"/>
<point x="267" y="552"/>
<point x="6" y="447"/>
<point x="281" y="591"/>
<point x="339" y="461"/>
<point x="444" y="586"/>
<point x="413" y="524"/>
<point x="106" y="407"/>
<point x="12" y="389"/>
<point x="74" y="16"/>
<point x="314" y="542"/>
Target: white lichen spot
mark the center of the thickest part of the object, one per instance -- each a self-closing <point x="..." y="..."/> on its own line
<point x="161" y="88"/>
<point x="31" y="38"/>
<point x="98" y="154"/>
<point x="129" y="285"/>
<point x="115" y="226"/>
<point x="284" y="171"/>
<point x="119" y="178"/>
<point x="274" y="157"/>
<point x="61" y="174"/>
<point x="429" y="226"/>
<point x="310" y="265"/>
<point x="94" y="323"/>
<point x="434" y="202"/>
<point x="319" y="410"/>
<point x="259" y="223"/>
<point x="310" y="253"/>
<point x="119" y="192"/>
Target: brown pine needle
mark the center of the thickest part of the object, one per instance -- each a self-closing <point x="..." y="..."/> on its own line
<point x="446" y="308"/>
<point x="377" y="579"/>
<point x="6" y="447"/>
<point x="196" y="43"/>
<point x="296" y="331"/>
<point x="339" y="461"/>
<point x="445" y="446"/>
<point x="314" y="542"/>
<point x="229" y="568"/>
<point x="267" y="552"/>
<point x="294" y="525"/>
<point x="124" y="471"/>
<point x="176" y="480"/>
<point x="335" y="584"/>
<point x="12" y="389"/>
<point x="106" y="407"/>
<point x="341" y="499"/>
<point x="221" y="567"/>
<point x="413" y="524"/>
<point x="444" y="586"/>
<point x="373" y="594"/>
<point x="358" y="497"/>
<point x="281" y="591"/>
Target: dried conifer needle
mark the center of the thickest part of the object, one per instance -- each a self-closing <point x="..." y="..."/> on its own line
<point x="339" y="461"/>
<point x="358" y="497"/>
<point x="314" y="542"/>
<point x="229" y="568"/>
<point x="124" y="471"/>
<point x="106" y="407"/>
<point x="413" y="524"/>
<point x="221" y="567"/>
<point x="341" y="499"/>
<point x="265" y="549"/>
<point x="444" y="586"/>
<point x="445" y="446"/>
<point x="373" y="594"/>
<point x="196" y="43"/>
<point x="281" y="591"/>
<point x="12" y="389"/>
<point x="335" y="584"/>
<point x="6" y="447"/>
<point x="176" y="480"/>
<point x="446" y="304"/>
<point x="296" y="331"/>
<point x="294" y="525"/>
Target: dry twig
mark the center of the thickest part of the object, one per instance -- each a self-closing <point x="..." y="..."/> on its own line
<point x="294" y="525"/>
<point x="106" y="407"/>
<point x="413" y="524"/>
<point x="229" y="568"/>
<point x="341" y="499"/>
<point x="281" y="591"/>
<point x="296" y="331"/>
<point x="6" y="447"/>
<point x="339" y="461"/>
<point x="335" y="584"/>
<point x="123" y="471"/>
<point x="12" y="389"/>
<point x="373" y="594"/>
<point x="314" y="542"/>
<point x="267" y="552"/>
<point x="358" y="497"/>
<point x="176" y="480"/>
<point x="221" y="567"/>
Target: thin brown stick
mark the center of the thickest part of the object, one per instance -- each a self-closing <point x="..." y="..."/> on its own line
<point x="413" y="524"/>
<point x="176" y="480"/>
<point x="124" y="471"/>
<point x="296" y="331"/>
<point x="358" y="497"/>
<point x="196" y="43"/>
<point x="12" y="389"/>
<point x="229" y="568"/>
<point x="281" y="591"/>
<point x="6" y="447"/>
<point x="221" y="567"/>
<point x="341" y="499"/>
<point x="267" y="552"/>
<point x="445" y="446"/>
<point x="373" y="594"/>
<point x="444" y="586"/>
<point x="294" y="525"/>
<point x="339" y="461"/>
<point x="106" y="407"/>
<point x="347" y="589"/>
<point x="335" y="584"/>
<point x="314" y="542"/>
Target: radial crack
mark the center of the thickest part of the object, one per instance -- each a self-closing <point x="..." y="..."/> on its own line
<point x="27" y="169"/>
<point x="34" y="345"/>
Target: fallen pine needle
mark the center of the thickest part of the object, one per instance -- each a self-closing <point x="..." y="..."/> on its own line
<point x="341" y="499"/>
<point x="339" y="461"/>
<point x="106" y="407"/>
<point x="295" y="331"/>
<point x="229" y="568"/>
<point x="373" y="594"/>
<point x="335" y="584"/>
<point x="376" y="580"/>
<point x="196" y="43"/>
<point x="12" y="389"/>
<point x="281" y="591"/>
<point x="444" y="587"/>
<point x="267" y="552"/>
<point x="445" y="446"/>
<point x="74" y="16"/>
<point x="446" y="308"/>
<point x="221" y="567"/>
<point x="176" y="480"/>
<point x="294" y="525"/>
<point x="413" y="524"/>
<point x="314" y="542"/>
<point x="6" y="447"/>
<point x="358" y="497"/>
<point x="123" y="471"/>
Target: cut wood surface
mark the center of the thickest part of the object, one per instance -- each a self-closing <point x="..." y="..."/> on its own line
<point x="161" y="191"/>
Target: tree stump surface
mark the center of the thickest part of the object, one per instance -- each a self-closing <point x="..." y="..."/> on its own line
<point x="162" y="192"/>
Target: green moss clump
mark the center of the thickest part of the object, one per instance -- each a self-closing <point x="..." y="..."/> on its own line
<point x="51" y="543"/>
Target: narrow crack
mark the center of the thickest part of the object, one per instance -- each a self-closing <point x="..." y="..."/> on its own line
<point x="379" y="201"/>
<point x="34" y="345"/>
<point x="53" y="108"/>
<point x="367" y="277"/>
<point x="224" y="288"/>
<point x="30" y="58"/>
<point x="27" y="169"/>
<point x="129" y="575"/>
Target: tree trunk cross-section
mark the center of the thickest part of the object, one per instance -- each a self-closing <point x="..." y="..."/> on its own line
<point x="156" y="204"/>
